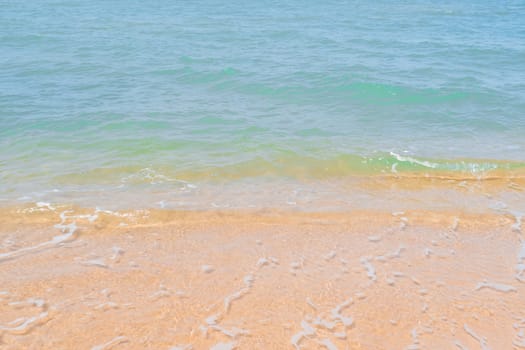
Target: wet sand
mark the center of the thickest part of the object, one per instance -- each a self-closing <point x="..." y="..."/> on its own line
<point x="74" y="278"/>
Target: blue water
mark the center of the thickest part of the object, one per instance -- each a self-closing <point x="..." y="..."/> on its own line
<point x="94" y="92"/>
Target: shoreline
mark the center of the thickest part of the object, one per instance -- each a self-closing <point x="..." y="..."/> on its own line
<point x="264" y="279"/>
<point x="386" y="192"/>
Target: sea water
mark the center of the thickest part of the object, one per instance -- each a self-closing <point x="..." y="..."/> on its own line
<point x="121" y="100"/>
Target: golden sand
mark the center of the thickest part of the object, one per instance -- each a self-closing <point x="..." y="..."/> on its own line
<point x="260" y="280"/>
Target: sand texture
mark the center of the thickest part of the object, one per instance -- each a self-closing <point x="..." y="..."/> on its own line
<point x="75" y="278"/>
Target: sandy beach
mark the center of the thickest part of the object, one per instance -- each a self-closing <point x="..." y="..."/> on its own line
<point x="220" y="175"/>
<point x="76" y="278"/>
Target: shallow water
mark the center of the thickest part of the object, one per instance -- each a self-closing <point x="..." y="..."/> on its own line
<point x="269" y="280"/>
<point x="98" y="96"/>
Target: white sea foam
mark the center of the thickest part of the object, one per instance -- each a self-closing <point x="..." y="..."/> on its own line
<point x="519" y="340"/>
<point x="95" y="262"/>
<point x="212" y="322"/>
<point x="112" y="342"/>
<point x="307" y="330"/>
<point x="415" y="340"/>
<point x="295" y="265"/>
<point x="404" y="222"/>
<point x="224" y="346"/>
<point x="370" y="270"/>
<point x="393" y="169"/>
<point x="182" y="347"/>
<point x="26" y="325"/>
<point x="327" y="343"/>
<point x="68" y="231"/>
<point x="424" y="163"/>
<point x="39" y="207"/>
<point x="459" y="345"/>
<point x="232" y="333"/>
<point x="207" y="268"/>
<point x="520" y="266"/>
<point x="311" y="303"/>
<point x="29" y="302"/>
<point x="163" y="292"/>
<point x="336" y="313"/>
<point x="248" y="281"/>
<point x="330" y="255"/>
<point x="415" y="280"/>
<point x="360" y="295"/>
<point x="45" y="205"/>
<point x="455" y="224"/>
<point x="424" y="308"/>
<point x="519" y="343"/>
<point x="496" y="286"/>
<point x="107" y="306"/>
<point x="23" y="325"/>
<point x="262" y="262"/>
<point x="340" y="335"/>
<point x="234" y="296"/>
<point x="318" y="321"/>
<point x="482" y="341"/>
<point x="117" y="253"/>
<point x="517" y="224"/>
<point x="397" y="253"/>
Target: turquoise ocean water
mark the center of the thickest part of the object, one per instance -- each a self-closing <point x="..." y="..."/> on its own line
<point x="100" y="99"/>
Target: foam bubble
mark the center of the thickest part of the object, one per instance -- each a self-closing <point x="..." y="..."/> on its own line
<point x="424" y="163"/>
<point x="311" y="303"/>
<point x="517" y="224"/>
<point x="308" y="330"/>
<point x="336" y="313"/>
<point x="496" y="286"/>
<point x="327" y="343"/>
<point x="455" y="224"/>
<point x="397" y="253"/>
<point x="207" y="268"/>
<point x="520" y="266"/>
<point x="224" y="346"/>
<point x="117" y="253"/>
<point x="370" y="270"/>
<point x="459" y="345"/>
<point x="22" y="325"/>
<point x="330" y="255"/>
<point x="248" y="281"/>
<point x="68" y="233"/>
<point x="415" y="340"/>
<point x="318" y="321"/>
<point x="107" y="306"/>
<point x="182" y="347"/>
<point x="340" y="335"/>
<point x="163" y="292"/>
<point x="26" y="325"/>
<point x="482" y="341"/>
<point x="112" y="342"/>
<point x="262" y="262"/>
<point x="95" y="262"/>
